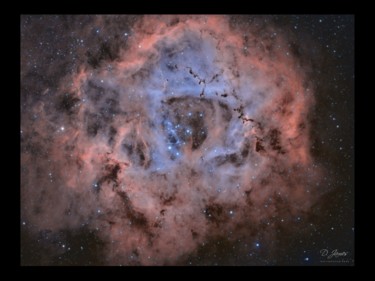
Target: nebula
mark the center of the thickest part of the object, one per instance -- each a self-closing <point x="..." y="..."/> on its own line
<point x="190" y="128"/>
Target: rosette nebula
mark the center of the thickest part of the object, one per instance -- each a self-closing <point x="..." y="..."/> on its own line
<point x="182" y="140"/>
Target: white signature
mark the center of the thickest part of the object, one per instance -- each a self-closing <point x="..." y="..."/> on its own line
<point x="333" y="254"/>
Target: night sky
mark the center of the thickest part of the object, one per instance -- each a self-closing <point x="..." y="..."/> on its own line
<point x="187" y="140"/>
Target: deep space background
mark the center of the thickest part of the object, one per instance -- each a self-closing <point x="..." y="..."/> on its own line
<point x="187" y="140"/>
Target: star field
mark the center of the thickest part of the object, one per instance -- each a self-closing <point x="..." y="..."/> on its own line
<point x="187" y="140"/>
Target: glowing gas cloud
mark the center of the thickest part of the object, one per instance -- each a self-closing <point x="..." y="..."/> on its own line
<point x="193" y="129"/>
